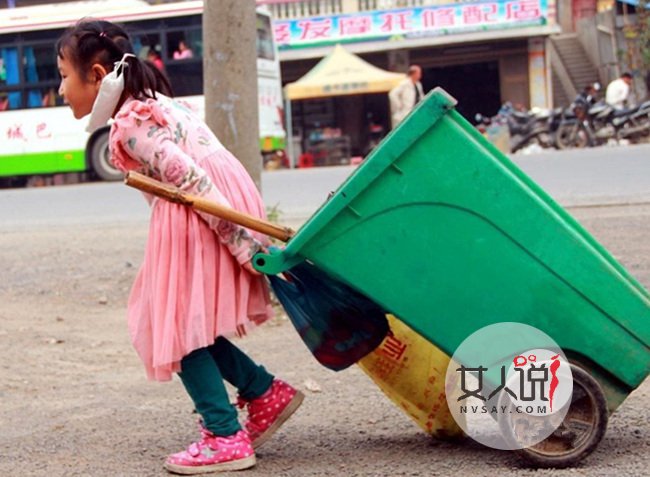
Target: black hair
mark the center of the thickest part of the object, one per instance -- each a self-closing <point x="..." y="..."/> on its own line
<point x="92" y="42"/>
<point x="413" y="69"/>
<point x="627" y="75"/>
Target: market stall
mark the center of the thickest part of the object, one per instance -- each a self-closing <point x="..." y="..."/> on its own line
<point x="340" y="73"/>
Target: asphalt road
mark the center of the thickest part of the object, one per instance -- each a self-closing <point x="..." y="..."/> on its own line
<point x="608" y="175"/>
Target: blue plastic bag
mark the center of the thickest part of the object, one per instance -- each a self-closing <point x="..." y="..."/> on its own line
<point x="339" y="325"/>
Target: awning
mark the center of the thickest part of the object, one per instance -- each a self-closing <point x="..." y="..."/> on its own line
<point x="342" y="73"/>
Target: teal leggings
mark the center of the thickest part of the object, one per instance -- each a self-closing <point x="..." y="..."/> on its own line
<point x="202" y="374"/>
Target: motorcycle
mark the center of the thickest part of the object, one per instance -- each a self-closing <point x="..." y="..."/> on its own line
<point x="525" y="128"/>
<point x="586" y="125"/>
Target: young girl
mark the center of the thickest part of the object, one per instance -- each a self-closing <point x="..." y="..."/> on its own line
<point x="196" y="285"/>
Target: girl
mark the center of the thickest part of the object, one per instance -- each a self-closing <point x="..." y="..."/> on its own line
<point x="196" y="285"/>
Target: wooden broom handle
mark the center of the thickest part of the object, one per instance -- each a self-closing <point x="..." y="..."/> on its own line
<point x="173" y="194"/>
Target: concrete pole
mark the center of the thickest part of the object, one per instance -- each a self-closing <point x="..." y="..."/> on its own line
<point x="230" y="79"/>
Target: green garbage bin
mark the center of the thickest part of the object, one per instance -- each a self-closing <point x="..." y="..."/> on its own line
<point x="445" y="232"/>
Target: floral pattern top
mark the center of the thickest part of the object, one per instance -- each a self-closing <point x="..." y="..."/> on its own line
<point x="162" y="138"/>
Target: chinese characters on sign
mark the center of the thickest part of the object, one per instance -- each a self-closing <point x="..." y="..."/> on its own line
<point x="390" y="354"/>
<point x="16" y="132"/>
<point x="410" y="22"/>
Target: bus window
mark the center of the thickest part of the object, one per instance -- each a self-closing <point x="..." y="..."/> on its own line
<point x="39" y="63"/>
<point x="43" y="98"/>
<point x="11" y="100"/>
<point x="143" y="43"/>
<point x="184" y="45"/>
<point x="11" y="76"/>
<point x="265" y="49"/>
<point x="186" y="77"/>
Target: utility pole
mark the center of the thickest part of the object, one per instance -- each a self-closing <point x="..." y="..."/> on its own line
<point x="230" y="79"/>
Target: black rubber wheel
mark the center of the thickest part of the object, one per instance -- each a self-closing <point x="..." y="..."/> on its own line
<point x="571" y="135"/>
<point x="100" y="159"/>
<point x="581" y="431"/>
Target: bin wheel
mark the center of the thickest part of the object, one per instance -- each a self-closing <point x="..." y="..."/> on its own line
<point x="581" y="431"/>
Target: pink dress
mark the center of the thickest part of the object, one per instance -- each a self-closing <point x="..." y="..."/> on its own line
<point x="191" y="287"/>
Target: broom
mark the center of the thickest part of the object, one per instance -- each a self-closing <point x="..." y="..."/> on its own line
<point x="339" y="325"/>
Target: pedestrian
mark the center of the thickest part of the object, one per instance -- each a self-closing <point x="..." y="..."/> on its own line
<point x="406" y="95"/>
<point x="618" y="91"/>
<point x="589" y="95"/>
<point x="196" y="286"/>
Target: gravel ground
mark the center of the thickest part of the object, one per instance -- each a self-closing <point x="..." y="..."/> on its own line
<point x="75" y="401"/>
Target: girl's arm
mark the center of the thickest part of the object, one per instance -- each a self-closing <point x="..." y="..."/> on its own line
<point x="143" y="136"/>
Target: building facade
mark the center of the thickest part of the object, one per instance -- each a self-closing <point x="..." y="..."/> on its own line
<point x="483" y="53"/>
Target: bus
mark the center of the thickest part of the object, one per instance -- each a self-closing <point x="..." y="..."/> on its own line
<point x="39" y="134"/>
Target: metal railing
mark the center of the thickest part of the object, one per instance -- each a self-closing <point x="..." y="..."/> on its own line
<point x="304" y="8"/>
<point x="364" y="5"/>
<point x="285" y="9"/>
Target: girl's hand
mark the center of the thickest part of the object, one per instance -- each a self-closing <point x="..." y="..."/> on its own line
<point x="248" y="266"/>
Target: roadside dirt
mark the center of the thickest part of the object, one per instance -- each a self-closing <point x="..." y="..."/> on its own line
<point x="75" y="401"/>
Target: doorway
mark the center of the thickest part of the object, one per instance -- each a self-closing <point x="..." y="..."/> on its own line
<point x="476" y="86"/>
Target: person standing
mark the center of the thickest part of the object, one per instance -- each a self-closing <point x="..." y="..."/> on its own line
<point x="406" y="95"/>
<point x="618" y="91"/>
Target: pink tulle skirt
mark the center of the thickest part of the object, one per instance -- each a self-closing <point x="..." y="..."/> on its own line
<point x="190" y="289"/>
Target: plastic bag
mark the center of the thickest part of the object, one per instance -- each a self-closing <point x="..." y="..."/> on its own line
<point x="411" y="371"/>
<point x="339" y="325"/>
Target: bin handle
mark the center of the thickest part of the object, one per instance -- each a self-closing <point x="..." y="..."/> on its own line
<point x="173" y="194"/>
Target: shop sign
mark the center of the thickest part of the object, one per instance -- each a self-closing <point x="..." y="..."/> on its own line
<point x="408" y="23"/>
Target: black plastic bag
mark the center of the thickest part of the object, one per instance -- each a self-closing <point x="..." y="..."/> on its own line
<point x="339" y="325"/>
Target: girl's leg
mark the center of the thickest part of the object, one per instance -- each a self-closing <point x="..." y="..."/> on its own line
<point x="250" y="379"/>
<point x="223" y="445"/>
<point x="270" y="402"/>
<point x="203" y="381"/>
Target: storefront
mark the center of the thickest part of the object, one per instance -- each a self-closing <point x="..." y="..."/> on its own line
<point x="334" y="110"/>
<point x="484" y="54"/>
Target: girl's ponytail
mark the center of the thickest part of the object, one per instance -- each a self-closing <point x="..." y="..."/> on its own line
<point x="162" y="84"/>
<point x="97" y="41"/>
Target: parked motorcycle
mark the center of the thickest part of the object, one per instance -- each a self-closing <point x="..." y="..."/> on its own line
<point x="585" y="125"/>
<point x="525" y="128"/>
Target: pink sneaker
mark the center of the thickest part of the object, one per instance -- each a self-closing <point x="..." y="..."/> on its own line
<point x="269" y="411"/>
<point x="213" y="454"/>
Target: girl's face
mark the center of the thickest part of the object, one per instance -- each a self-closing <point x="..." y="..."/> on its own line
<point x="79" y="93"/>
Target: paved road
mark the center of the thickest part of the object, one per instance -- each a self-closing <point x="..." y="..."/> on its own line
<point x="615" y="175"/>
<point x="74" y="400"/>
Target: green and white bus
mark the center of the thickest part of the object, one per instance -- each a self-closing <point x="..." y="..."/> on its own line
<point x="39" y="135"/>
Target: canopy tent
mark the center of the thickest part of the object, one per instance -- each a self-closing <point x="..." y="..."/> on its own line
<point x="339" y="73"/>
<point x="342" y="73"/>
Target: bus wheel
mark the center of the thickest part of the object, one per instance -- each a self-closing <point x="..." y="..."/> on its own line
<point x="100" y="159"/>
